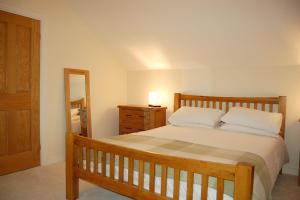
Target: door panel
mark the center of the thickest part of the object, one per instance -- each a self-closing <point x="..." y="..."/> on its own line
<point x="19" y="92"/>
<point x="23" y="46"/>
<point x="19" y="129"/>
<point x="3" y="33"/>
<point x="3" y="136"/>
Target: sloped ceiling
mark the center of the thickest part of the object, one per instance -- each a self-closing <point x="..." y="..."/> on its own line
<point x="168" y="34"/>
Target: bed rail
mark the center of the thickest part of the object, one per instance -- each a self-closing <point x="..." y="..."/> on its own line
<point x="80" y="149"/>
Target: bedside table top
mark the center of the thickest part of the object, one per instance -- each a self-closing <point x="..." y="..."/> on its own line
<point x="141" y="107"/>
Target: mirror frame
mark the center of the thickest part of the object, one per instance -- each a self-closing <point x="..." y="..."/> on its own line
<point x="86" y="73"/>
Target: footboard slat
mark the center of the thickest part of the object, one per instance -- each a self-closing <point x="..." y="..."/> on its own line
<point x="152" y="177"/>
<point x="176" y="183"/>
<point x="112" y="166"/>
<point x="80" y="158"/>
<point x="95" y="161"/>
<point x="204" y="187"/>
<point x="220" y="188"/>
<point x="141" y="174"/>
<point x="121" y="168"/>
<point x="130" y="171"/>
<point x="163" y="180"/>
<point x="88" y="160"/>
<point x="190" y="183"/>
<point x="241" y="174"/>
<point x="103" y="164"/>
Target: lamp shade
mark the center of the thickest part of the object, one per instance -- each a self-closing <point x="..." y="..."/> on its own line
<point x="152" y="98"/>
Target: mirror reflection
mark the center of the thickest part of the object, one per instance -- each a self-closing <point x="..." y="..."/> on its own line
<point x="78" y="104"/>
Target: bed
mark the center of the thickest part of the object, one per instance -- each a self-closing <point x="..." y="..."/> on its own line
<point x="78" y="108"/>
<point x="163" y="164"/>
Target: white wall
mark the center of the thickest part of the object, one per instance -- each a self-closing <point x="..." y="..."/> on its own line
<point x="66" y="41"/>
<point x="226" y="82"/>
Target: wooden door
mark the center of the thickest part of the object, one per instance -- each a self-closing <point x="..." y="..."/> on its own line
<point x="19" y="92"/>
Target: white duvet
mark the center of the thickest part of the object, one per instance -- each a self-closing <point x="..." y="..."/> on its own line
<point x="272" y="150"/>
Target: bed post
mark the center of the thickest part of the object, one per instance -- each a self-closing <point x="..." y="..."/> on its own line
<point x="72" y="182"/>
<point x="177" y="101"/>
<point x="243" y="186"/>
<point x="282" y="110"/>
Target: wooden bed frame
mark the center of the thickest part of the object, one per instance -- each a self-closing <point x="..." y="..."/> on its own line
<point x="241" y="174"/>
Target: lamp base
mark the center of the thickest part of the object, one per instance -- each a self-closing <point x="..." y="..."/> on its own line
<point x="154" y="105"/>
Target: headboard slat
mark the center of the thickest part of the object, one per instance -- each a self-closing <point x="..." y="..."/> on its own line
<point x="227" y="106"/>
<point x="201" y="105"/>
<point x="263" y="107"/>
<point x="211" y="101"/>
<point x="271" y="107"/>
<point x="255" y="105"/>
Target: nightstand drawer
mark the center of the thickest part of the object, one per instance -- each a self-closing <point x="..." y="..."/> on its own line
<point x="132" y="119"/>
<point x="132" y="113"/>
<point x="132" y="124"/>
<point x="133" y="116"/>
<point x="129" y="129"/>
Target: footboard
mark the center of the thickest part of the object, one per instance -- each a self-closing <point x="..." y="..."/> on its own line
<point x="87" y="159"/>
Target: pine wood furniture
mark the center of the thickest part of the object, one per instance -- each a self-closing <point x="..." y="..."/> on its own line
<point x="241" y="174"/>
<point x="79" y="103"/>
<point x="19" y="92"/>
<point x="140" y="118"/>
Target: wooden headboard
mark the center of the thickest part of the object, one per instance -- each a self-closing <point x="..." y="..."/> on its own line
<point x="80" y="103"/>
<point x="271" y="104"/>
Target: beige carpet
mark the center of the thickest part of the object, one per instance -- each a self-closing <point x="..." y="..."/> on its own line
<point x="48" y="183"/>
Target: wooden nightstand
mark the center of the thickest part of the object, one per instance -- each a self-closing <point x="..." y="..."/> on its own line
<point x="140" y="118"/>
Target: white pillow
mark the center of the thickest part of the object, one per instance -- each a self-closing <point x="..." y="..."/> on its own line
<point x="196" y="116"/>
<point x="245" y="129"/>
<point x="266" y="121"/>
<point x="74" y="111"/>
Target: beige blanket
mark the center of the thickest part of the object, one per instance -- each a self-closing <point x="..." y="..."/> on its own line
<point x="199" y="152"/>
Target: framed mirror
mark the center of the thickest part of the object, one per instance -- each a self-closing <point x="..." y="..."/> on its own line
<point x="77" y="99"/>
